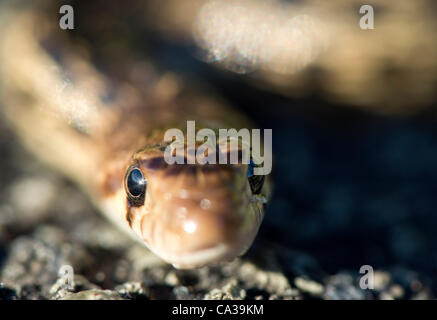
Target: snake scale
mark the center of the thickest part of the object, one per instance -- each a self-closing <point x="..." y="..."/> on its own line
<point x="91" y="104"/>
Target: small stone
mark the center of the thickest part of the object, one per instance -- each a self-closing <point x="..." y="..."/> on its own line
<point x="94" y="294"/>
<point x="181" y="292"/>
<point x="230" y="291"/>
<point x="309" y="286"/>
<point x="172" y="279"/>
<point x="59" y="290"/>
<point x="381" y="280"/>
<point x="341" y="287"/>
<point x="416" y="285"/>
<point x="397" y="291"/>
<point x="133" y="290"/>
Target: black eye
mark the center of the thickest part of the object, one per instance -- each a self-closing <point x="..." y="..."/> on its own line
<point x="135" y="187"/>
<point x="256" y="182"/>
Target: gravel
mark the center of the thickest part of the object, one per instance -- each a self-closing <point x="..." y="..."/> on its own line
<point x="46" y="223"/>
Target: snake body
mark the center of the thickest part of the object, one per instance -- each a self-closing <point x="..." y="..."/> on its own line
<point x="102" y="125"/>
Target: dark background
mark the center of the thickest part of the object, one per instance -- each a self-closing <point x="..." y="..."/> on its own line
<point x="350" y="187"/>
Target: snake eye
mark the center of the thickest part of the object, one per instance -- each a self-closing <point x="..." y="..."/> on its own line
<point x="135" y="185"/>
<point x="256" y="182"/>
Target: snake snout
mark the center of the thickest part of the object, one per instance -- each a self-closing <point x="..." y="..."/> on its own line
<point x="198" y="231"/>
<point x="197" y="215"/>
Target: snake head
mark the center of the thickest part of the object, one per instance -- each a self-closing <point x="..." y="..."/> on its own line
<point x="193" y="215"/>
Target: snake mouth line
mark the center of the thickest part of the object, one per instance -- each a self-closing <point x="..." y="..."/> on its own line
<point x="197" y="258"/>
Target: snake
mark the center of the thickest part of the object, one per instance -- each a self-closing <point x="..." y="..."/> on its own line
<point x="300" y="48"/>
<point x="91" y="104"/>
